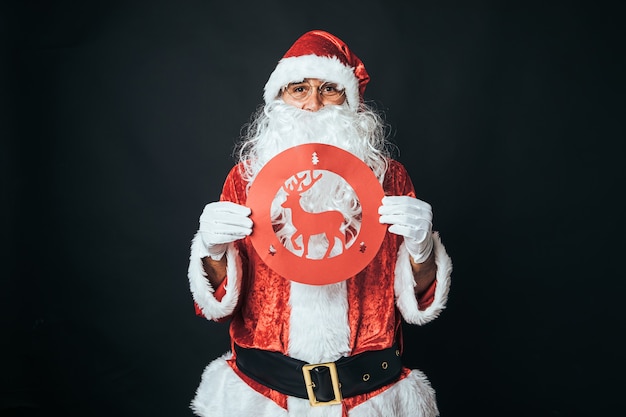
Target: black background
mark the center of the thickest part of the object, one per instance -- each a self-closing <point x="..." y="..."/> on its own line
<point x="121" y="119"/>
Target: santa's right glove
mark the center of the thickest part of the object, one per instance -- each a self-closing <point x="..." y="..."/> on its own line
<point x="223" y="222"/>
<point x="413" y="219"/>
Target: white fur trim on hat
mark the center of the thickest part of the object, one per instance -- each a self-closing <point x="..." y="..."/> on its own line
<point x="297" y="68"/>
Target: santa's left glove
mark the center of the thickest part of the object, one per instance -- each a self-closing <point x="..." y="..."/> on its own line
<point x="411" y="218"/>
<point x="221" y="223"/>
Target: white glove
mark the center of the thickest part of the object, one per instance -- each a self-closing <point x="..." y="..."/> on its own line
<point x="223" y="222"/>
<point x="411" y="218"/>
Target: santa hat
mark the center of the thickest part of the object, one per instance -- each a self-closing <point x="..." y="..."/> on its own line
<point x="318" y="54"/>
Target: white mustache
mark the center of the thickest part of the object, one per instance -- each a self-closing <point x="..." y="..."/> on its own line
<point x="289" y="126"/>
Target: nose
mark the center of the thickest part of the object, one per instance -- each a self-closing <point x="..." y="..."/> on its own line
<point x="314" y="102"/>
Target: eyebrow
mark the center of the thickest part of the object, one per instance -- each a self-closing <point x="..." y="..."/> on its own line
<point x="305" y="81"/>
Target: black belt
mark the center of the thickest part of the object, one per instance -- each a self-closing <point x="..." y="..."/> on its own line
<point x="321" y="383"/>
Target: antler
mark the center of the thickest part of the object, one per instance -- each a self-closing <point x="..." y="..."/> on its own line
<point x="298" y="183"/>
<point x="304" y="187"/>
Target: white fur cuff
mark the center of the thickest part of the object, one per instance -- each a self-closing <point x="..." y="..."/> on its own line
<point x="404" y="285"/>
<point x="202" y="291"/>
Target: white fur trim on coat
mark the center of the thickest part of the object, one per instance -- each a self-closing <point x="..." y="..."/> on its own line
<point x="404" y="285"/>
<point x="313" y="307"/>
<point x="202" y="290"/>
<point x="297" y="68"/>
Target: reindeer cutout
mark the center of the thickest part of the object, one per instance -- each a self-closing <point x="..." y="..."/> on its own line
<point x="329" y="223"/>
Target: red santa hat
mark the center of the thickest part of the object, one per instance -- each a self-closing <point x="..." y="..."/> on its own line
<point x="318" y="54"/>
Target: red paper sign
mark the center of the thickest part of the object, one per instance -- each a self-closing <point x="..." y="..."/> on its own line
<point x="325" y="202"/>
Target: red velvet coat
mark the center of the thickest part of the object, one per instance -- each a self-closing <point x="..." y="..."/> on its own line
<point x="260" y="311"/>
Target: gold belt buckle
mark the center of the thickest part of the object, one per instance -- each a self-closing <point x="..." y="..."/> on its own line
<point x="334" y="378"/>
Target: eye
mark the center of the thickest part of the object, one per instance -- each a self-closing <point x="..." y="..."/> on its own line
<point x="331" y="90"/>
<point x="298" y="88"/>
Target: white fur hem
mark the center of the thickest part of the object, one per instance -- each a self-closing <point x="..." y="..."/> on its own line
<point x="404" y="284"/>
<point x="297" y="68"/>
<point x="412" y="396"/>
<point x="222" y="393"/>
<point x="201" y="289"/>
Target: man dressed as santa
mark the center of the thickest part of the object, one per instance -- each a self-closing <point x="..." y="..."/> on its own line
<point x="300" y="349"/>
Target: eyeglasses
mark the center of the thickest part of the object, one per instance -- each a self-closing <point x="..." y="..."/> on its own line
<point x="302" y="90"/>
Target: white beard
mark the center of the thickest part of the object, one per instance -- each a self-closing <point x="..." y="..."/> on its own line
<point x="283" y="126"/>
